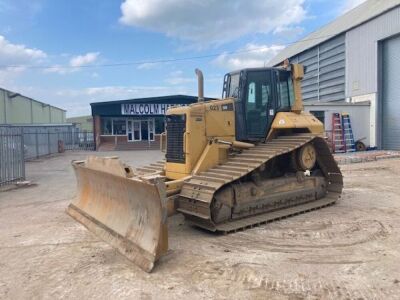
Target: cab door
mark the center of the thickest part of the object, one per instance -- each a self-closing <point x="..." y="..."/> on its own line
<point x="259" y="104"/>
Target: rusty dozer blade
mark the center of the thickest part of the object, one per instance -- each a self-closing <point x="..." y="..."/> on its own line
<point x="127" y="212"/>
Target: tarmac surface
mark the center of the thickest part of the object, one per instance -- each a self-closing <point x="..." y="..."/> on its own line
<point x="346" y="251"/>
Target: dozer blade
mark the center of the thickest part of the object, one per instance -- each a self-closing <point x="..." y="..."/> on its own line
<point x="126" y="212"/>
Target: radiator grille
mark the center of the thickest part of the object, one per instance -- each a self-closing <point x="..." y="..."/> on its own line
<point x="176" y="126"/>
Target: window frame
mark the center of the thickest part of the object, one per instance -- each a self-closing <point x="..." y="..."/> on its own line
<point x="290" y="92"/>
<point x="269" y="104"/>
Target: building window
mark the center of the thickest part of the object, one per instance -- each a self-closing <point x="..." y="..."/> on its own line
<point x="160" y="125"/>
<point x="319" y="114"/>
<point x="119" y="127"/>
<point x="106" y="126"/>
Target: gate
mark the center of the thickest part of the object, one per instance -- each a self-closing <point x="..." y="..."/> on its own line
<point x="12" y="163"/>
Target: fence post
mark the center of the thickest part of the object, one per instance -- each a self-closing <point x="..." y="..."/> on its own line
<point x="37" y="143"/>
<point x="73" y="138"/>
<point x="48" y="142"/>
<point x="22" y="158"/>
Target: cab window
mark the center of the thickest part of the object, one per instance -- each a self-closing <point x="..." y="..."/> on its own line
<point x="285" y="89"/>
<point x="258" y="94"/>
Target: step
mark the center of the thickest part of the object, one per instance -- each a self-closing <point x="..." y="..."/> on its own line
<point x="208" y="178"/>
<point x="216" y="175"/>
<point x="233" y="168"/>
<point x="201" y="184"/>
<point x="247" y="160"/>
<point x="245" y="165"/>
<point x="223" y="172"/>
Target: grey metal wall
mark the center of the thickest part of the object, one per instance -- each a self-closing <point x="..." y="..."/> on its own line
<point x="324" y="79"/>
<point x="12" y="164"/>
<point x="362" y="52"/>
<point x="391" y="94"/>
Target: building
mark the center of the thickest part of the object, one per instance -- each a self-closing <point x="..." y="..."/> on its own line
<point x="133" y="124"/>
<point x="352" y="65"/>
<point x="84" y="123"/>
<point x="17" y="109"/>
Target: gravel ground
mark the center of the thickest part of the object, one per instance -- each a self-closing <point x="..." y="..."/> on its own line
<point x="349" y="250"/>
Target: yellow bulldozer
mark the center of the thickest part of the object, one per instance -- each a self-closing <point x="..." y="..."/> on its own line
<point x="252" y="157"/>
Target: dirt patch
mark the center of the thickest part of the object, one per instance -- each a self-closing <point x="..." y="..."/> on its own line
<point x="346" y="251"/>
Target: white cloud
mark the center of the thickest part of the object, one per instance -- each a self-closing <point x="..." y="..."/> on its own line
<point x="177" y="78"/>
<point x="252" y="55"/>
<point x="18" y="54"/>
<point x="13" y="57"/>
<point x="74" y="63"/>
<point x="147" y="66"/>
<point x="211" y="22"/>
<point x="81" y="60"/>
<point x="288" y="32"/>
<point x="8" y="75"/>
<point x="59" y="69"/>
<point x="76" y="101"/>
<point x="350" y="4"/>
<point x="122" y="92"/>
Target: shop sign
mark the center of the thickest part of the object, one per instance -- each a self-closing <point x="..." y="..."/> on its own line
<point x="139" y="109"/>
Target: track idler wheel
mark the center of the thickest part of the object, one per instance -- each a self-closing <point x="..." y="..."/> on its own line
<point x="305" y="157"/>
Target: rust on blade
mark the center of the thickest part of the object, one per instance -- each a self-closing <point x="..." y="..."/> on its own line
<point x="128" y="213"/>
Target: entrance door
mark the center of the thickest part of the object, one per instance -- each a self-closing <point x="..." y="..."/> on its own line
<point x="141" y="130"/>
<point x="151" y="129"/>
<point x="134" y="130"/>
<point x="145" y="130"/>
<point x="130" y="130"/>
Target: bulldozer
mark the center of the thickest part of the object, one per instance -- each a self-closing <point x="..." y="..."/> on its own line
<point x="249" y="158"/>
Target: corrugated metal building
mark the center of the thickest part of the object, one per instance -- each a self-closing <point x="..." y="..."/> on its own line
<point x="18" y="109"/>
<point x="84" y="123"/>
<point x="352" y="65"/>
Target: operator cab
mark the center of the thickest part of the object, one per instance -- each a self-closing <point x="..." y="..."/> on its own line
<point x="259" y="94"/>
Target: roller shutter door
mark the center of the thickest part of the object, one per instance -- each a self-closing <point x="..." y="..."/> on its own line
<point x="391" y="94"/>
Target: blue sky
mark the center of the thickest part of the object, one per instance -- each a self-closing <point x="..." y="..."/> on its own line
<point x="60" y="51"/>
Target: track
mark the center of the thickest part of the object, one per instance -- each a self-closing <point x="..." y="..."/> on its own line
<point x="157" y="167"/>
<point x="198" y="193"/>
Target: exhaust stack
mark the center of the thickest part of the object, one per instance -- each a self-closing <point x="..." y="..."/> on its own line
<point x="200" y="85"/>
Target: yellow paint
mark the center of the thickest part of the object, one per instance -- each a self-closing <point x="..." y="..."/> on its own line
<point x="207" y="122"/>
<point x="297" y="76"/>
<point x="291" y="120"/>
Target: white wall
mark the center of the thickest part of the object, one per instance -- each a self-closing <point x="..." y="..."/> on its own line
<point x="359" y="118"/>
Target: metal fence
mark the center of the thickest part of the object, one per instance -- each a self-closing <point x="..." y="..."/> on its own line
<point x="44" y="140"/>
<point x="12" y="163"/>
<point x="21" y="143"/>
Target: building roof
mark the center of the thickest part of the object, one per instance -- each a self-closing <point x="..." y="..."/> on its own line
<point x="78" y="118"/>
<point x="37" y="125"/>
<point x="353" y="18"/>
<point x="176" y="99"/>
<point x="335" y="103"/>
<point x="14" y="94"/>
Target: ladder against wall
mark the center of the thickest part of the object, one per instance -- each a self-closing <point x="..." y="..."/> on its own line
<point x="348" y="133"/>
<point x="342" y="133"/>
<point x="338" y="144"/>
